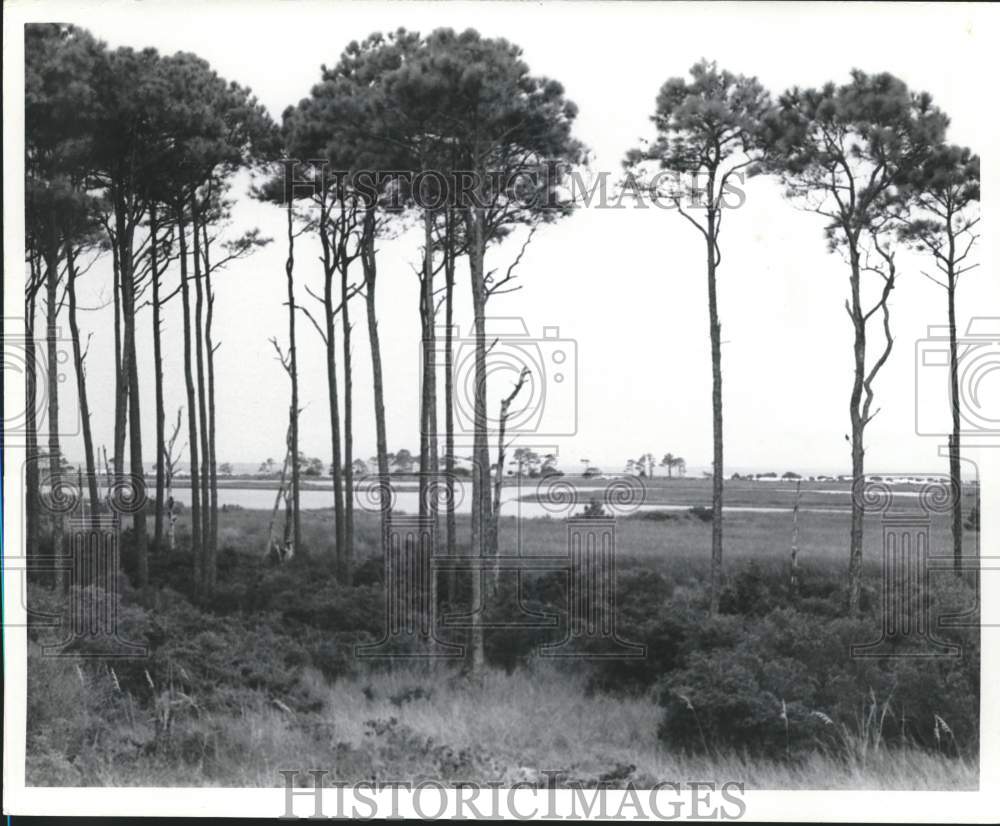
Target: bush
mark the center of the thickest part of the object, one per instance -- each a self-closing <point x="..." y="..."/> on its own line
<point x="787" y="683"/>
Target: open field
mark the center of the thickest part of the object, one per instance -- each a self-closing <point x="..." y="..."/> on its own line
<point x="309" y="703"/>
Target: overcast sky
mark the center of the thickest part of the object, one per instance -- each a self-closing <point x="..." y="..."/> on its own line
<point x="627" y="286"/>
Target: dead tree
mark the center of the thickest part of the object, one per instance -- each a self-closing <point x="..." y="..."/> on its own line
<point x="291" y="540"/>
<point x="494" y="538"/>
<point x="274" y="550"/>
<point x="168" y="464"/>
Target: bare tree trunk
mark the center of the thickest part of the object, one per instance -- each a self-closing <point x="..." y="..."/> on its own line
<point x="336" y="465"/>
<point x="157" y="382"/>
<point x="121" y="380"/>
<point x="134" y="421"/>
<point x="381" y="442"/>
<point x="81" y="386"/>
<point x="348" y="554"/>
<point x="449" y="411"/>
<point x="717" y="466"/>
<point x="279" y="495"/>
<point x="954" y="443"/>
<point x="167" y="457"/>
<point x="424" y="308"/>
<point x="294" y="374"/>
<point x="206" y="532"/>
<point x="31" y="479"/>
<point x="857" y="441"/>
<point x="196" y="539"/>
<point x="793" y="577"/>
<point x="213" y="482"/>
<point x="480" y="444"/>
<point x="52" y="353"/>
<point x="428" y="427"/>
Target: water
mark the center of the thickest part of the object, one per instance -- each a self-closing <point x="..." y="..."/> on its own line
<point x="406" y="500"/>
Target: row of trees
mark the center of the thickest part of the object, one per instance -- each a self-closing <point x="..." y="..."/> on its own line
<point x="871" y="158"/>
<point x="445" y="103"/>
<point x="132" y="153"/>
<point x="645" y="465"/>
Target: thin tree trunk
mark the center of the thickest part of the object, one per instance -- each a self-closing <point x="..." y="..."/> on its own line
<point x="213" y="482"/>
<point x="31" y="478"/>
<point x="954" y="443"/>
<point x="134" y="420"/>
<point x="449" y="412"/>
<point x="424" y="307"/>
<point x="199" y="339"/>
<point x="381" y="442"/>
<point x="717" y="466"/>
<point x="428" y="440"/>
<point x="348" y="554"/>
<point x="336" y="466"/>
<point x="480" y="444"/>
<point x="52" y="353"/>
<point x="196" y="539"/>
<point x="278" y="497"/>
<point x="793" y="577"/>
<point x="294" y="374"/>
<point x="157" y="382"/>
<point x="121" y="382"/>
<point x="857" y="441"/>
<point x="81" y="386"/>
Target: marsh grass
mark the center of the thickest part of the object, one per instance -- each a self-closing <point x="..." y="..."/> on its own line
<point x="93" y="723"/>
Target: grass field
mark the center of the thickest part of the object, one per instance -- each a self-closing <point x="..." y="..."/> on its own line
<point x="190" y="715"/>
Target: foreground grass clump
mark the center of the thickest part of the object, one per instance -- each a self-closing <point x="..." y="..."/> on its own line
<point x="263" y="677"/>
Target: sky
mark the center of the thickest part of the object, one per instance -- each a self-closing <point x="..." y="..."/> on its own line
<point x="625" y="288"/>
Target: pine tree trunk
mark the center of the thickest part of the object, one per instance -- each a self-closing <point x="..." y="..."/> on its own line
<point x="424" y="310"/>
<point x="81" y="387"/>
<point x="196" y="538"/>
<point x="717" y="465"/>
<point x="199" y="346"/>
<point x="31" y="479"/>
<point x="52" y="357"/>
<point x="213" y="481"/>
<point x="954" y="443"/>
<point x="381" y="442"/>
<point x="348" y="555"/>
<point x="157" y="382"/>
<point x="480" y="443"/>
<point x="294" y="374"/>
<point x="130" y="363"/>
<point x="336" y="465"/>
<point x="428" y="429"/>
<point x="121" y="380"/>
<point x="449" y="411"/>
<point x="857" y="442"/>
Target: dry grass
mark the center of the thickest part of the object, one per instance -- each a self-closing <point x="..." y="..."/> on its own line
<point x="505" y="726"/>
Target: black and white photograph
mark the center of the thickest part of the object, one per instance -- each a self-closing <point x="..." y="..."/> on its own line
<point x="501" y="410"/>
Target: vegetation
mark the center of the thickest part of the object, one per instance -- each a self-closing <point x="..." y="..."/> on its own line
<point x="132" y="154"/>
<point x="766" y="690"/>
